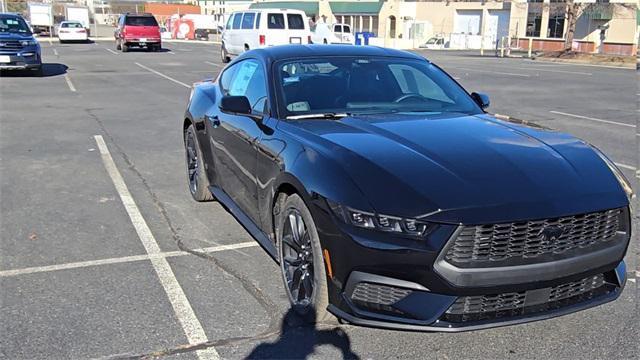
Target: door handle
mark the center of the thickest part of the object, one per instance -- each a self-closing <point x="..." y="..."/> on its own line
<point x="215" y="122"/>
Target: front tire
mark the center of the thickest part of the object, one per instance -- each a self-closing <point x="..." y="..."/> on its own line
<point x="301" y="261"/>
<point x="198" y="182"/>
<point x="124" y="47"/>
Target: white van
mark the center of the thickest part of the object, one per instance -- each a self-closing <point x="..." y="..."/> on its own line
<point x="332" y="34"/>
<point x="251" y="29"/>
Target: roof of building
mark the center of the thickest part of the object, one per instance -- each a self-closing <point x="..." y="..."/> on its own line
<point x="355" y="7"/>
<point x="309" y="7"/>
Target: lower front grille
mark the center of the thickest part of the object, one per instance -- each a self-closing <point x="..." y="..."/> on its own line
<point x="10" y="45"/>
<point x="378" y="297"/>
<point x="491" y="307"/>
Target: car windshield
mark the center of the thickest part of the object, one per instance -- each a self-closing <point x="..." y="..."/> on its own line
<point x="366" y="85"/>
<point x="141" y="21"/>
<point x="14" y="25"/>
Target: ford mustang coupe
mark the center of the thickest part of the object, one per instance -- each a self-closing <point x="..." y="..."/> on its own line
<point x="390" y="198"/>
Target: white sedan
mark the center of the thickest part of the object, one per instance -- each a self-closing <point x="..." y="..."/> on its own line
<point x="72" y="31"/>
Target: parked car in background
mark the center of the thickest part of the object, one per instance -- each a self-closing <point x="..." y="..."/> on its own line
<point x="72" y="31"/>
<point x="19" y="50"/>
<point x="252" y="29"/>
<point x="391" y="198"/>
<point x="433" y="43"/>
<point x="323" y="33"/>
<point x="138" y="30"/>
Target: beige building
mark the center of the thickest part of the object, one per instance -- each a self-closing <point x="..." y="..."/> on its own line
<point x="603" y="26"/>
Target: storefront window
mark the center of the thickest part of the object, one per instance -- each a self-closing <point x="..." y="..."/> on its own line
<point x="556" y="21"/>
<point x="534" y="20"/>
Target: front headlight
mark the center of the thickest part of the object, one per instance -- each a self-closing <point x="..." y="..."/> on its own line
<point x="28" y="42"/>
<point x="381" y="222"/>
<point x="624" y="183"/>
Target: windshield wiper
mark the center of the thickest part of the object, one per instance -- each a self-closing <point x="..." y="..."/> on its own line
<point x="328" y="115"/>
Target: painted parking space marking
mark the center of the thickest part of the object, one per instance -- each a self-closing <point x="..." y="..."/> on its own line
<point x="111" y="51"/>
<point x="494" y="72"/>
<point x="181" y="306"/>
<point x="214" y="64"/>
<point x="556" y="71"/>
<point x="55" y="52"/>
<point x="69" y="83"/>
<point x="164" y="76"/>
<point x="592" y="119"/>
<point x="625" y="166"/>
<point x="124" y="259"/>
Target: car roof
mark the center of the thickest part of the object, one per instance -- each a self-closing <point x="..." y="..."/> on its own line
<point x="283" y="52"/>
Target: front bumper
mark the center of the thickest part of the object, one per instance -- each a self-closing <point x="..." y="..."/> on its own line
<point x="418" y="297"/>
<point x="21" y="61"/>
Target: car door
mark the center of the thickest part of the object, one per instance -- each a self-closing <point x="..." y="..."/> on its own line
<point x="234" y="137"/>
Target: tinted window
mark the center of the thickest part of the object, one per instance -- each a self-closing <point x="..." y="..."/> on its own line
<point x="225" y="79"/>
<point x="346" y="29"/>
<point x="368" y="85"/>
<point x="71" y="25"/>
<point x="140" y="21"/>
<point x="275" y="21"/>
<point x="13" y="24"/>
<point x="237" y="20"/>
<point x="229" y="22"/>
<point x="258" y="21"/>
<point x="249" y="81"/>
<point x="295" y="21"/>
<point x="337" y="28"/>
<point x="247" y="20"/>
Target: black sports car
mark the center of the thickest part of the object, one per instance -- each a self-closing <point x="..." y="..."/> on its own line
<point x="390" y="198"/>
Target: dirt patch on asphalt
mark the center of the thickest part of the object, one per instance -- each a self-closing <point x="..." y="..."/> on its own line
<point x="584" y="58"/>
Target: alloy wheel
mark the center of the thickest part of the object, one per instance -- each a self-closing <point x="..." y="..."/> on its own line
<point x="297" y="258"/>
<point x="192" y="162"/>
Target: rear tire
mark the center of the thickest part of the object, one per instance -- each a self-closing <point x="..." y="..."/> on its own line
<point x="301" y="261"/>
<point x="124" y="47"/>
<point x="198" y="182"/>
<point x="224" y="55"/>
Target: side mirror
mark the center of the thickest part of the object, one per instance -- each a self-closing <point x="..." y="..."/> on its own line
<point x="235" y="105"/>
<point x="481" y="99"/>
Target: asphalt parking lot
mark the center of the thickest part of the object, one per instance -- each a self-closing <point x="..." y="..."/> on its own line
<point x="103" y="254"/>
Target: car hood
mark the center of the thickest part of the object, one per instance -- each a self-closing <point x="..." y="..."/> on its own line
<point x="466" y="169"/>
<point x="14" y="36"/>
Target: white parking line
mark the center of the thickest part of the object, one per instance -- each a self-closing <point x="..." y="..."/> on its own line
<point x="181" y="306"/>
<point x="592" y="119"/>
<point x="124" y="259"/>
<point x="55" y="52"/>
<point x="625" y="166"/>
<point x="214" y="64"/>
<point x="111" y="51"/>
<point x="494" y="72"/>
<point x="556" y="71"/>
<point x="164" y="76"/>
<point x="69" y="83"/>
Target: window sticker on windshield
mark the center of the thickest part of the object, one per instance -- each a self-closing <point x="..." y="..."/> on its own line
<point x="243" y="76"/>
<point x="298" y="106"/>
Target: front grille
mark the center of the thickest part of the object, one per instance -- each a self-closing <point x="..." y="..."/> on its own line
<point x="378" y="297"/>
<point x="526" y="242"/>
<point x="491" y="307"/>
<point x="10" y="45"/>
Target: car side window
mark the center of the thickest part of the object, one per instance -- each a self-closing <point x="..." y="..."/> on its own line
<point x="226" y="77"/>
<point x="337" y="28"/>
<point x="237" y="20"/>
<point x="228" y="26"/>
<point x="249" y="81"/>
<point x="295" y="22"/>
<point x="275" y="21"/>
<point x="247" y="20"/>
<point x="346" y="29"/>
<point x="413" y="81"/>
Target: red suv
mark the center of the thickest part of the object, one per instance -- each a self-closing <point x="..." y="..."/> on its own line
<point x="139" y="30"/>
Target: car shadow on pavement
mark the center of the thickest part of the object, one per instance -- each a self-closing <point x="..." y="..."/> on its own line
<point x="298" y="340"/>
<point x="49" y="69"/>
